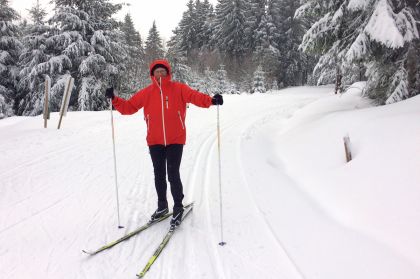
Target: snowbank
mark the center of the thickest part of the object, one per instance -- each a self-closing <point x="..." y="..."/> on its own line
<point x="376" y="193"/>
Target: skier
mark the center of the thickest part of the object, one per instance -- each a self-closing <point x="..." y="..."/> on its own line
<point x="164" y="103"/>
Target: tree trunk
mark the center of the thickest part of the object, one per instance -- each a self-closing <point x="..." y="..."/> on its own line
<point x="338" y="78"/>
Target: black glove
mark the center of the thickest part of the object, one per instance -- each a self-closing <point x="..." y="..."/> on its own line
<point x="109" y="93"/>
<point x="217" y="100"/>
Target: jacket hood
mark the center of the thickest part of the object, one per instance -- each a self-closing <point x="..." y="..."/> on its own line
<point x="163" y="62"/>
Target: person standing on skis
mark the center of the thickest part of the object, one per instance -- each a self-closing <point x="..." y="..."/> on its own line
<point x="164" y="104"/>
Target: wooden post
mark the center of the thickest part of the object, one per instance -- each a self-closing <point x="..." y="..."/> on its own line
<point x="338" y="78"/>
<point x="46" y="93"/>
<point x="347" y="148"/>
<point x="66" y="99"/>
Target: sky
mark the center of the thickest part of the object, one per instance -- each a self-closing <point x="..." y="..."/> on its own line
<point x="167" y="13"/>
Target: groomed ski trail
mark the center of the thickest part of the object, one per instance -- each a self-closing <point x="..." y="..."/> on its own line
<point x="58" y="197"/>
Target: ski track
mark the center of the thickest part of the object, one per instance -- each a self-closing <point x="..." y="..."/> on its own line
<point x="261" y="214"/>
<point x="208" y="150"/>
<point x="193" y="251"/>
<point x="138" y="189"/>
<point x="245" y="130"/>
<point x="195" y="190"/>
<point x="203" y="168"/>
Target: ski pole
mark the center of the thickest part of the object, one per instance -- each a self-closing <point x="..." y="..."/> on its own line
<point x="115" y="165"/>
<point x="221" y="243"/>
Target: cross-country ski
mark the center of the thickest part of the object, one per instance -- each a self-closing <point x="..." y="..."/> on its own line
<point x="131" y="234"/>
<point x="163" y="244"/>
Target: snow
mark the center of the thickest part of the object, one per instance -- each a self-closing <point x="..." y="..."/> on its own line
<point x="338" y="15"/>
<point x="382" y="28"/>
<point x="357" y="5"/>
<point x="358" y="48"/>
<point x="293" y="208"/>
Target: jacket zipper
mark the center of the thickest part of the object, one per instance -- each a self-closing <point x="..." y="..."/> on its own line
<point x="163" y="113"/>
<point x="182" y="123"/>
<point x="167" y="103"/>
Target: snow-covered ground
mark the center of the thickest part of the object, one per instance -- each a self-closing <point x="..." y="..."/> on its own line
<point x="293" y="207"/>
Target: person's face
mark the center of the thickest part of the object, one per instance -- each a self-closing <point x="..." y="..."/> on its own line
<point x="160" y="72"/>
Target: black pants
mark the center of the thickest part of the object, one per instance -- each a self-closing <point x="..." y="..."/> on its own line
<point x="167" y="157"/>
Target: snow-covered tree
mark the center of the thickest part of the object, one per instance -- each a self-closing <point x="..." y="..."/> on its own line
<point x="233" y="88"/>
<point x="154" y="47"/>
<point x="180" y="70"/>
<point x="273" y="13"/>
<point x="254" y="17"/>
<point x="277" y="39"/>
<point x="210" y="81"/>
<point x="325" y="37"/>
<point x="65" y="47"/>
<point x="85" y="44"/>
<point x="106" y="63"/>
<point x="136" y="74"/>
<point x="242" y="34"/>
<point x="258" y="85"/>
<point x="188" y="31"/>
<point x="229" y="33"/>
<point x="266" y="52"/>
<point x="291" y="30"/>
<point x="178" y="58"/>
<point x="10" y="48"/>
<point x="191" y="40"/>
<point x="206" y="36"/>
<point x="100" y="68"/>
<point x="376" y="33"/>
<point x="221" y="81"/>
<point x="203" y="15"/>
<point x="31" y="82"/>
<point x="274" y="86"/>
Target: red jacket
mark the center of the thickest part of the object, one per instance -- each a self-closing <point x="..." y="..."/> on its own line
<point x="164" y="106"/>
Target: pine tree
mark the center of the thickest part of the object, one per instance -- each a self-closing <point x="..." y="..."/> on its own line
<point x="31" y="82"/>
<point x="106" y="63"/>
<point x="255" y="19"/>
<point x="374" y="33"/>
<point x="180" y="70"/>
<point x="188" y="30"/>
<point x="317" y="41"/>
<point x="136" y="73"/>
<point x="207" y="13"/>
<point x="174" y="47"/>
<point x="259" y="81"/>
<point x="229" y="34"/>
<point x="274" y="86"/>
<point x="210" y="82"/>
<point x="10" y="48"/>
<point x="274" y="20"/>
<point x="190" y="43"/>
<point x="291" y="31"/>
<point x="221" y="80"/>
<point x="203" y="14"/>
<point x="85" y="44"/>
<point x="154" y="48"/>
<point x="266" y="51"/>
